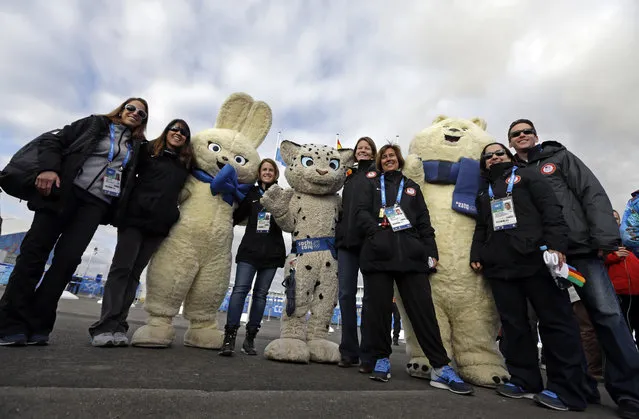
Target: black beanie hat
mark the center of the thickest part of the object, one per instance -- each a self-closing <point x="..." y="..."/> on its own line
<point x="521" y="121"/>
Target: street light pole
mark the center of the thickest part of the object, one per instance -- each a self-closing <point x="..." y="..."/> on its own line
<point x="95" y="252"/>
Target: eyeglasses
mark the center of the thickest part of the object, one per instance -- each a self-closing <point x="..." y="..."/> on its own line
<point x="133" y="109"/>
<point x="180" y="130"/>
<point x="528" y="131"/>
<point x="490" y="154"/>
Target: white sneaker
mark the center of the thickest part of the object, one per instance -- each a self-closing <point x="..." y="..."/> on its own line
<point x="120" y="339"/>
<point x="102" y="340"/>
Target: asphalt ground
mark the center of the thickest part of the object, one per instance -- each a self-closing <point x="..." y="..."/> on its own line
<point x="71" y="379"/>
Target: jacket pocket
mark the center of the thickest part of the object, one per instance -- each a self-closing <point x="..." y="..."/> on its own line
<point x="413" y="247"/>
<point x="379" y="246"/>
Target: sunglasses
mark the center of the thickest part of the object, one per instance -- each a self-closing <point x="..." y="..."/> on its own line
<point x="490" y="154"/>
<point x="516" y="134"/>
<point x="133" y="109"/>
<point x="180" y="130"/>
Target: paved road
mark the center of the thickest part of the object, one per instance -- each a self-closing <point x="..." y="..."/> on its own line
<point x="71" y="379"/>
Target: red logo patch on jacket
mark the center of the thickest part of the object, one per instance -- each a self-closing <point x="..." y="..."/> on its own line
<point x="371" y="175"/>
<point x="548" y="169"/>
<point x="517" y="179"/>
<point x="411" y="191"/>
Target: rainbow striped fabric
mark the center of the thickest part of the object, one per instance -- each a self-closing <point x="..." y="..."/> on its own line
<point x="575" y="277"/>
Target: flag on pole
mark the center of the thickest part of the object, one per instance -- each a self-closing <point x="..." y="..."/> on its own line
<point x="278" y="155"/>
<point x="339" y="145"/>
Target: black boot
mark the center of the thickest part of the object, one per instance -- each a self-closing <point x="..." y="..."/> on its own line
<point x="228" y="347"/>
<point x="248" y="347"/>
<point x="395" y="341"/>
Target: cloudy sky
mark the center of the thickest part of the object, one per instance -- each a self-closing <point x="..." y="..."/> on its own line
<point x="376" y="68"/>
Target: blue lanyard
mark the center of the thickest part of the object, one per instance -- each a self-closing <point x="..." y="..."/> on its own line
<point x="383" y="188"/>
<point x="112" y="147"/>
<point x="511" y="183"/>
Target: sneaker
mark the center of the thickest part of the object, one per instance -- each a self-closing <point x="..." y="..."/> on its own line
<point x="19" y="339"/>
<point x="513" y="391"/>
<point x="120" y="339"/>
<point x="446" y="378"/>
<point x="103" y="340"/>
<point x="382" y="371"/>
<point x="628" y="408"/>
<point x="38" y="340"/>
<point x="550" y="400"/>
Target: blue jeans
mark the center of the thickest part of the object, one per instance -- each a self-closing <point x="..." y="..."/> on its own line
<point x="347" y="269"/>
<point x="243" y="280"/>
<point x="621" y="368"/>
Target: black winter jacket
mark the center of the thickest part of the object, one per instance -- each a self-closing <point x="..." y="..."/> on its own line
<point x="65" y="152"/>
<point x="153" y="204"/>
<point x="347" y="235"/>
<point x="586" y="206"/>
<point x="515" y="253"/>
<point x="262" y="250"/>
<point x="384" y="250"/>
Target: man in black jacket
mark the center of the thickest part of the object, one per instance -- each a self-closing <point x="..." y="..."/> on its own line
<point x="593" y="232"/>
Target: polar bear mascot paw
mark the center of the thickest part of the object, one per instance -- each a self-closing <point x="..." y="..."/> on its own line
<point x="309" y="212"/>
<point x="192" y="266"/>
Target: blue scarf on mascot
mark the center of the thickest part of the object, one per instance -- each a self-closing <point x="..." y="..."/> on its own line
<point x="224" y="183"/>
<point x="464" y="175"/>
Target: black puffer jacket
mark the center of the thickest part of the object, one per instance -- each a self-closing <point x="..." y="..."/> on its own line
<point x="153" y="204"/>
<point x="65" y="152"/>
<point x="586" y="207"/>
<point x="384" y="250"/>
<point x="347" y="235"/>
<point x="262" y="250"/>
<point x="515" y="253"/>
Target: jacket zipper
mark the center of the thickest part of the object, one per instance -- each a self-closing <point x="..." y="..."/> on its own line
<point x="107" y="165"/>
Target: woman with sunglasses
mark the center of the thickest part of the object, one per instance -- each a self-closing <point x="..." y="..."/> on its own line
<point x="518" y="214"/>
<point x="152" y="209"/>
<point x="85" y="173"/>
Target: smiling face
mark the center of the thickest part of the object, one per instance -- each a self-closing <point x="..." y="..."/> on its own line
<point x="176" y="136"/>
<point x="213" y="148"/>
<point x="522" y="137"/>
<point x="267" y="173"/>
<point x="389" y="161"/>
<point x="133" y="114"/>
<point x="363" y="151"/>
<point x="315" y="168"/>
<point x="450" y="139"/>
<point x="494" y="154"/>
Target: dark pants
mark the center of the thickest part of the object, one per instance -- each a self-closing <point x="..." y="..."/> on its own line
<point x="630" y="310"/>
<point x="25" y="309"/>
<point x="621" y="357"/>
<point x="592" y="350"/>
<point x="243" y="280"/>
<point x="414" y="289"/>
<point x="132" y="253"/>
<point x="347" y="270"/>
<point x="559" y="335"/>
<point x="397" y="321"/>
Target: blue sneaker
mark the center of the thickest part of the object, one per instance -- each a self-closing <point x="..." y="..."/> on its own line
<point x="382" y="370"/>
<point x="513" y="391"/>
<point x="550" y="400"/>
<point x="446" y="378"/>
<point x="19" y="339"/>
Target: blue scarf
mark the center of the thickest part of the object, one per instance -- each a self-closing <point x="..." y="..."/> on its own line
<point x="464" y="175"/>
<point x="224" y="183"/>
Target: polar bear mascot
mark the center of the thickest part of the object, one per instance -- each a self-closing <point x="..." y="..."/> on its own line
<point x="309" y="212"/>
<point x="443" y="161"/>
<point x="193" y="264"/>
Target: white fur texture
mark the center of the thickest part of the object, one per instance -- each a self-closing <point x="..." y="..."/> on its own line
<point x="464" y="305"/>
<point x="193" y="264"/>
<point x="309" y="210"/>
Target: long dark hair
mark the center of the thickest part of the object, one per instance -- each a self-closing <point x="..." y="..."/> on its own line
<point x="482" y="160"/>
<point x="116" y="117"/>
<point x="186" y="151"/>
